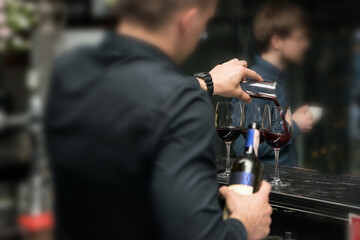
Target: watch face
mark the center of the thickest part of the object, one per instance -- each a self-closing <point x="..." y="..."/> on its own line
<point x="202" y="75"/>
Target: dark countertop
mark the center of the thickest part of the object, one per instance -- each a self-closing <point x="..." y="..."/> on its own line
<point x="314" y="193"/>
<point x="317" y="193"/>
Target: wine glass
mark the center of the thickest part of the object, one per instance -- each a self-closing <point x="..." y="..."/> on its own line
<point x="228" y="119"/>
<point x="277" y="131"/>
<point x="252" y="114"/>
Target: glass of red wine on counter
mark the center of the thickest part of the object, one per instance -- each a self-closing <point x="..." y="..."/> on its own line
<point x="228" y="120"/>
<point x="277" y="128"/>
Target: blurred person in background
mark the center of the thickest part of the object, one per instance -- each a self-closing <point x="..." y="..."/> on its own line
<point x="281" y="33"/>
<point x="131" y="138"/>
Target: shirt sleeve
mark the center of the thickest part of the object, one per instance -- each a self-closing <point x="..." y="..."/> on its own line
<point x="183" y="188"/>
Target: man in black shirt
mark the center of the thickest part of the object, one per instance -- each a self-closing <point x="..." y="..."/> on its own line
<point x="131" y="138"/>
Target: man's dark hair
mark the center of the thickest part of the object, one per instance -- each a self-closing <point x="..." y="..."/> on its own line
<point x="153" y="13"/>
<point x="276" y="18"/>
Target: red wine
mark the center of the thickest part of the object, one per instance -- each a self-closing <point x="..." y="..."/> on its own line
<point x="276" y="102"/>
<point x="276" y="140"/>
<point x="228" y="134"/>
<point x="265" y="97"/>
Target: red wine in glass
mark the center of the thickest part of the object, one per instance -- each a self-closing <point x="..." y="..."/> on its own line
<point x="228" y="134"/>
<point x="276" y="102"/>
<point x="228" y="116"/>
<point x="276" y="140"/>
<point x="277" y="133"/>
<point x="267" y="91"/>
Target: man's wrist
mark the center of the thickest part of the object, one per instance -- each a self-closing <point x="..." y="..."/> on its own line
<point x="208" y="80"/>
<point x="204" y="87"/>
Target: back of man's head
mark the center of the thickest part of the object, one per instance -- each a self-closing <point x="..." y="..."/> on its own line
<point x="276" y="18"/>
<point x="153" y="14"/>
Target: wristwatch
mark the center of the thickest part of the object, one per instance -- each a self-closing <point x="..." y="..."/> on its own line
<point x="208" y="80"/>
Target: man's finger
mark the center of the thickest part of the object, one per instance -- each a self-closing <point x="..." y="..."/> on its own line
<point x="223" y="191"/>
<point x="264" y="190"/>
<point x="234" y="60"/>
<point x="270" y="211"/>
<point x="243" y="80"/>
<point x="243" y="63"/>
<point x="252" y="74"/>
<point x="243" y="96"/>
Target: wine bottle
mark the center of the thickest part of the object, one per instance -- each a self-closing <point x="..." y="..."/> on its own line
<point x="247" y="171"/>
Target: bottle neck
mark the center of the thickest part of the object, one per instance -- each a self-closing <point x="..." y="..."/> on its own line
<point x="252" y="142"/>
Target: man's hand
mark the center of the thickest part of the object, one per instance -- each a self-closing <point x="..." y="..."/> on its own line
<point x="253" y="211"/>
<point x="304" y="119"/>
<point x="227" y="78"/>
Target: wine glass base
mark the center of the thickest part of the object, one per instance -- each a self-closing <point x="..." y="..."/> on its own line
<point x="279" y="183"/>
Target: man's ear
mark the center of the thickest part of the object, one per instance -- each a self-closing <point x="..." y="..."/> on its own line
<point x="187" y="19"/>
<point x="276" y="42"/>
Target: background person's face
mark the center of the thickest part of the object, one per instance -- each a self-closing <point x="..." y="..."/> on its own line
<point x="295" y="46"/>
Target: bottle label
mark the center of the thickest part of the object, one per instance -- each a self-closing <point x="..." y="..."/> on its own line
<point x="242" y="183"/>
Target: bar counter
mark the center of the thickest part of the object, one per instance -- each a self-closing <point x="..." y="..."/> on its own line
<point x="316" y="205"/>
<point x="321" y="194"/>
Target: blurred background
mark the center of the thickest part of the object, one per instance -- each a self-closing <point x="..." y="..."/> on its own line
<point x="33" y="33"/>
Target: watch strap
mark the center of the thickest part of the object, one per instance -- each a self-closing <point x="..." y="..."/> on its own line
<point x="208" y="80"/>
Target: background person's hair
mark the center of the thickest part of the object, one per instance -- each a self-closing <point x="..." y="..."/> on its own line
<point x="153" y="13"/>
<point x="276" y="18"/>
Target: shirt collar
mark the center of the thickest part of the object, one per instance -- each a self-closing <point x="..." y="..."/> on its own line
<point x="135" y="47"/>
<point x="275" y="73"/>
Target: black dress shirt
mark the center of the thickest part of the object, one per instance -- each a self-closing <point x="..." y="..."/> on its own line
<point x="131" y="142"/>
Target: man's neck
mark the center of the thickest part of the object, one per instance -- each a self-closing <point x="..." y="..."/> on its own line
<point x="274" y="58"/>
<point x="159" y="39"/>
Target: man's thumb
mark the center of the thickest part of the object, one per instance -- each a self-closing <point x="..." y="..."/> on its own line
<point x="265" y="189"/>
<point x="224" y="191"/>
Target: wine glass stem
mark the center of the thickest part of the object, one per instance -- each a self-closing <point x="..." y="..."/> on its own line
<point x="228" y="148"/>
<point x="277" y="172"/>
